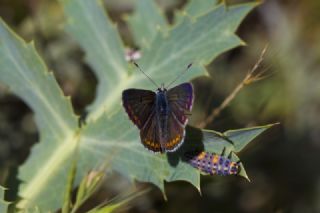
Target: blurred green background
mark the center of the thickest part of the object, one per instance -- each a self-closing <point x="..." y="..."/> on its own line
<point x="282" y="163"/>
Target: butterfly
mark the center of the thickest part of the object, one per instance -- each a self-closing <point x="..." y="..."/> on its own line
<point x="211" y="163"/>
<point x="161" y="116"/>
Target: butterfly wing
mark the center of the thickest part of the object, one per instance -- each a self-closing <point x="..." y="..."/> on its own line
<point x="150" y="134"/>
<point x="180" y="99"/>
<point x="139" y="105"/>
<point x="174" y="135"/>
<point x="158" y="141"/>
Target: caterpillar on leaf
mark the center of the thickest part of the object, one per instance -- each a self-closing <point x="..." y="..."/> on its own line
<point x="213" y="164"/>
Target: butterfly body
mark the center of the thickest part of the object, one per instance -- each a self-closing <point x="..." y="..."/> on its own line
<point x="162" y="106"/>
<point x="160" y="116"/>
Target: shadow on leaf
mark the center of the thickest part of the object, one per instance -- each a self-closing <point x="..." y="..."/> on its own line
<point x="193" y="142"/>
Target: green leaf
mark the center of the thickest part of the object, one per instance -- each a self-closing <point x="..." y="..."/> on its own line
<point x="91" y="27"/>
<point x="121" y="143"/>
<point x="146" y="22"/>
<point x="109" y="135"/>
<point x="196" y="8"/>
<point x="198" y="41"/>
<point x="232" y="141"/>
<point x="3" y="204"/>
<point x="27" y="76"/>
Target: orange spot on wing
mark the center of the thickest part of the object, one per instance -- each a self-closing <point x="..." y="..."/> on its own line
<point x="172" y="143"/>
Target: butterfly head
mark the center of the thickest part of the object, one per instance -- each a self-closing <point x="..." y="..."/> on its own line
<point x="162" y="88"/>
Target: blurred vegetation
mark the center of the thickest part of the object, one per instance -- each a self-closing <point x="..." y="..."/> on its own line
<point x="282" y="164"/>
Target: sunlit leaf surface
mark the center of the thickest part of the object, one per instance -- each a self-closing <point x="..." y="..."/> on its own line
<point x="108" y="134"/>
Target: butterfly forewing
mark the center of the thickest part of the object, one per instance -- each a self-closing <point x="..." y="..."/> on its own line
<point x="180" y="100"/>
<point x="139" y="105"/>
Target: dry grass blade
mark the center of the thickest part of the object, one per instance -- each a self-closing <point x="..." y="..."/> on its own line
<point x="251" y="77"/>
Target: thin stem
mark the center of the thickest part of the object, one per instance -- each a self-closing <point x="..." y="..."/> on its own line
<point x="250" y="77"/>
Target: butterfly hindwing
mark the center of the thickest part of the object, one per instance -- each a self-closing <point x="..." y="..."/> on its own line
<point x="149" y="134"/>
<point x="174" y="135"/>
<point x="180" y="99"/>
<point x="139" y="105"/>
<point x="168" y="141"/>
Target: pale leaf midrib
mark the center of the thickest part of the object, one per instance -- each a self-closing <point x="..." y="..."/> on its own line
<point x="43" y="176"/>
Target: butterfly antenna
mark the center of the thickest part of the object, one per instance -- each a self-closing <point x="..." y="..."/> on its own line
<point x="145" y="74"/>
<point x="188" y="67"/>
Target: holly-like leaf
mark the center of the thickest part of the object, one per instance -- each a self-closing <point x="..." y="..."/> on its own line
<point x="128" y="156"/>
<point x="91" y="27"/>
<point x="196" y="8"/>
<point x="197" y="40"/>
<point x="108" y="135"/>
<point x="25" y="73"/>
<point x="146" y="22"/>
<point x="232" y="140"/>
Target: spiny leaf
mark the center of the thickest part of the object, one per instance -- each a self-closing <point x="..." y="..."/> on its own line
<point x="132" y="160"/>
<point x="24" y="72"/>
<point x="91" y="27"/>
<point x="146" y="22"/>
<point x="108" y="132"/>
<point x="195" y="8"/>
<point x="232" y="140"/>
<point x="198" y="41"/>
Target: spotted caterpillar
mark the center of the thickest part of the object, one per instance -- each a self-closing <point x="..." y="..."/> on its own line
<point x="211" y="163"/>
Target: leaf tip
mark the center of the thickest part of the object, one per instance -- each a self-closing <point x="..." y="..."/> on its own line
<point x="243" y="43"/>
<point x="164" y="195"/>
<point x="199" y="190"/>
<point x="274" y="124"/>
